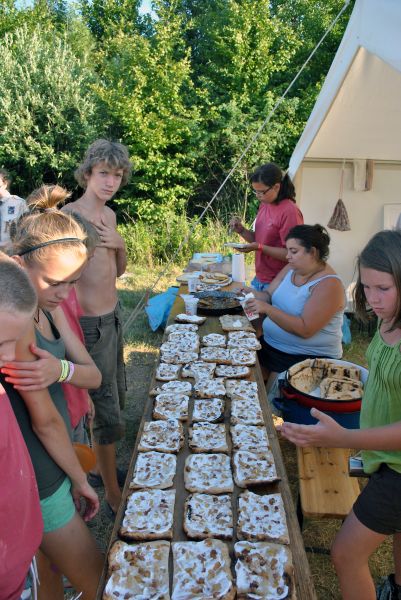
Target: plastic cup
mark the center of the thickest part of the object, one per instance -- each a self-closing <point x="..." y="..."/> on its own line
<point x="193" y="284"/>
<point x="191" y="305"/>
<point x="249" y="313"/>
<point x="85" y="455"/>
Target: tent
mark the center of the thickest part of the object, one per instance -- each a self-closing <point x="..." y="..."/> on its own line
<point x="356" y="120"/>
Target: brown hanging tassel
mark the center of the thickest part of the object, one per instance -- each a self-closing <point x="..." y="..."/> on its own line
<point x="339" y="219"/>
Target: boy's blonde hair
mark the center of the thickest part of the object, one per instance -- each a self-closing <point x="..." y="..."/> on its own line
<point x="17" y="292"/>
<point x="44" y="226"/>
<point x="113" y="154"/>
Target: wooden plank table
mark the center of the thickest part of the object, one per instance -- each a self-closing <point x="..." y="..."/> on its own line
<point x="303" y="580"/>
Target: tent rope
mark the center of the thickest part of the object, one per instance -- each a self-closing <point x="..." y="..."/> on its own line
<point x="149" y="290"/>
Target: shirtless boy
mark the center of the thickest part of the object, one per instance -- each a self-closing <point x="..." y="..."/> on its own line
<point x="105" y="168"/>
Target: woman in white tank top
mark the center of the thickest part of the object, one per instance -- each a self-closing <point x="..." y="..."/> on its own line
<point x="303" y="306"/>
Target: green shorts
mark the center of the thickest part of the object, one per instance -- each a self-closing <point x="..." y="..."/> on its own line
<point x="59" y="508"/>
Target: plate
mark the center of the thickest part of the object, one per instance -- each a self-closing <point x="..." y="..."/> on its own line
<point x="238" y="245"/>
<point x="218" y="303"/>
<point x="185" y="276"/>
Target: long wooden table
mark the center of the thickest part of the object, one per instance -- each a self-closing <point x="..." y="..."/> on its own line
<point x="303" y="580"/>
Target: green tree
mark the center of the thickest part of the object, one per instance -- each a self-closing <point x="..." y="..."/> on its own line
<point x="48" y="115"/>
<point x="146" y="89"/>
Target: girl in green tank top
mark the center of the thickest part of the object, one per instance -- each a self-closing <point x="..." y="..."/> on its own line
<point x="377" y="512"/>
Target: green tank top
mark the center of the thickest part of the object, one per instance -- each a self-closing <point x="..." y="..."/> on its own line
<point x="57" y="348"/>
<point x="381" y="404"/>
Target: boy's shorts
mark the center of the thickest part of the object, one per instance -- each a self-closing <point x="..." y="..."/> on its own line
<point x="59" y="508"/>
<point x="104" y="342"/>
<point x="378" y="506"/>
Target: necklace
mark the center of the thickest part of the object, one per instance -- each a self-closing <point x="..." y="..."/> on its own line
<point x="311" y="275"/>
<point x="36" y="317"/>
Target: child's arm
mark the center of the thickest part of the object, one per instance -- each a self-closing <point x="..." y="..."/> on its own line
<point x="50" y="428"/>
<point x="37" y="375"/>
<point x="327" y="432"/>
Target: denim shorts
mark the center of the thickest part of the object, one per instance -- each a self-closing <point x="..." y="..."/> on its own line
<point x="378" y="506"/>
<point x="104" y="342"/>
<point x="258" y="285"/>
<point x="59" y="508"/>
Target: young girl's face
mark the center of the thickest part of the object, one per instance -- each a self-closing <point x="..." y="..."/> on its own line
<point x="54" y="276"/>
<point x="380" y="291"/>
<point x="12" y="328"/>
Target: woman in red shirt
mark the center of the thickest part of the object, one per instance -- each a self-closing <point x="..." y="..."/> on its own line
<point x="277" y="214"/>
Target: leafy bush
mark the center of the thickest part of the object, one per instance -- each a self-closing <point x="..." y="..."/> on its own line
<point x="47" y="109"/>
<point x="150" y="245"/>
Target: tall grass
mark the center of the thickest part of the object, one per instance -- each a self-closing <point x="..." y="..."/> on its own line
<point x="151" y="245"/>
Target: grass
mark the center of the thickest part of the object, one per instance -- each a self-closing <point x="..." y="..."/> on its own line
<point x="141" y="352"/>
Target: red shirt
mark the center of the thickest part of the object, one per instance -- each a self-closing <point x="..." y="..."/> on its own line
<point x="21" y="524"/>
<point x="273" y="222"/>
<point x="77" y="398"/>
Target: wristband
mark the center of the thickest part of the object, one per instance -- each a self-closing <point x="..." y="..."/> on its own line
<point x="65" y="369"/>
<point x="70" y="372"/>
<point x="260" y="247"/>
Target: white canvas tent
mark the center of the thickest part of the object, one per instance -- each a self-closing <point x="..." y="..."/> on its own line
<point x="357" y="116"/>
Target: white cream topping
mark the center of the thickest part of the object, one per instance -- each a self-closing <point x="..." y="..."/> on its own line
<point x="166" y="436"/>
<point x="149" y="512"/>
<point x="210" y="387"/>
<point x="214" y="339"/>
<point x="178" y="356"/>
<point x="142" y="572"/>
<point x="167" y="371"/>
<point x="175" y="336"/>
<point x="252" y="468"/>
<point x="190" y="318"/>
<point x="154" y="470"/>
<point x="241" y="356"/>
<point x="240" y="388"/>
<point x="198" y="368"/>
<point x="249" y="437"/>
<point x="214" y="354"/>
<point x="180" y="345"/>
<point x="178" y="387"/>
<point x="204" y="472"/>
<point x="181" y="327"/>
<point x="247" y="412"/>
<point x="209" y="437"/>
<point x="208" y="409"/>
<point x="241" y="335"/>
<point x="232" y="371"/>
<point x="260" y="568"/>
<point x="171" y="406"/>
<point x="201" y="572"/>
<point x="207" y="514"/>
<point x="262" y="517"/>
<point x="245" y="343"/>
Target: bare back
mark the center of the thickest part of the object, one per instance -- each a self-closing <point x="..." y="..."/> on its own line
<point x="96" y="288"/>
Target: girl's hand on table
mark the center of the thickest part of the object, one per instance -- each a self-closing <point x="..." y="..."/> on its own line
<point x="327" y="432"/>
<point x="33" y="375"/>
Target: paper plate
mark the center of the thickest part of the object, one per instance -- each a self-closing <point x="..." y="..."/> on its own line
<point x="238" y="245"/>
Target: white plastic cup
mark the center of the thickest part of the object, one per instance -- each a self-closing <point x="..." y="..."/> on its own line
<point x="193" y="283"/>
<point x="191" y="305"/>
<point x="249" y="313"/>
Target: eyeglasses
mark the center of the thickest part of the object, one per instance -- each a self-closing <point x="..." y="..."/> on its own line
<point x="262" y="192"/>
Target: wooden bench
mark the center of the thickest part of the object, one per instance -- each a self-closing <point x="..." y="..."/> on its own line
<point x="325" y="488"/>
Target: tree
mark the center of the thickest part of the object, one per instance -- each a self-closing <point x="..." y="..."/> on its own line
<point x="48" y="115"/>
<point x="146" y="89"/>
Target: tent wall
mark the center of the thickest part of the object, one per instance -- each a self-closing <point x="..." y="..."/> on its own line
<point x="317" y="185"/>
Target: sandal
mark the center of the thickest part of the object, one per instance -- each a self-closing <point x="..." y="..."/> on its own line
<point x="96" y="481"/>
